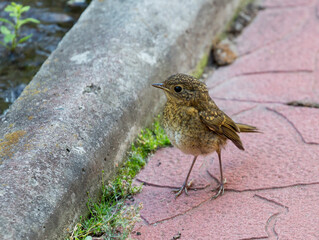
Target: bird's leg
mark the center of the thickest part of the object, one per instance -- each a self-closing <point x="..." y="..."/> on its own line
<point x="220" y="188"/>
<point x="185" y="184"/>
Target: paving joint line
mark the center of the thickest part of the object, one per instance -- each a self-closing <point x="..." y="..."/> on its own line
<point x="292" y="6"/>
<point x="170" y="187"/>
<point x="235" y="190"/>
<point x="260" y="73"/>
<point x="272" y="188"/>
<point x="293" y="125"/>
<point x="272" y="201"/>
<point x="272" y="220"/>
<point x="254" y="238"/>
<point x="183" y="213"/>
<point x="145" y="220"/>
<point x="275" y="72"/>
<point x="244" y="110"/>
<point x="271" y="223"/>
<point x="249" y="101"/>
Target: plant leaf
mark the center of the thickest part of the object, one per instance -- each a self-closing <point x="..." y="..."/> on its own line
<point x="6" y="21"/>
<point x="25" y="9"/>
<point x="9" y="8"/>
<point x="24" y="38"/>
<point x="27" y="20"/>
<point x="4" y="30"/>
<point x="8" y="38"/>
<point x="13" y="14"/>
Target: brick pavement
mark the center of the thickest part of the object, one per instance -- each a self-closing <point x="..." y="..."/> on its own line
<point x="272" y="189"/>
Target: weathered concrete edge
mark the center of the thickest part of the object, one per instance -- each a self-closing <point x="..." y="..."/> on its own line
<point x="88" y="102"/>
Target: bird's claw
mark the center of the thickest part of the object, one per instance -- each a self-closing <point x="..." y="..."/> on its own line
<point x="184" y="188"/>
<point x="219" y="190"/>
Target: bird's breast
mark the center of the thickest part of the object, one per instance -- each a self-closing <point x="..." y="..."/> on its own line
<point x="187" y="132"/>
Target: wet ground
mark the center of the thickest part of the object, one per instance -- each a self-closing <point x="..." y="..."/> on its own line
<point x="17" y="69"/>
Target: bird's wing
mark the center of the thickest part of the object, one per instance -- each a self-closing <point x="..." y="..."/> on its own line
<point x="221" y="124"/>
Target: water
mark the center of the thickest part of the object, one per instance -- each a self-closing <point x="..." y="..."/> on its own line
<point x="18" y="69"/>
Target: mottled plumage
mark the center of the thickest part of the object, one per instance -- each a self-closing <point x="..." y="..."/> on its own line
<point x="194" y="123"/>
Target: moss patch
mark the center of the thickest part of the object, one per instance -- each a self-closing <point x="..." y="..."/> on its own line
<point x="198" y="72"/>
<point x="9" y="141"/>
<point x="241" y="7"/>
<point x="110" y="217"/>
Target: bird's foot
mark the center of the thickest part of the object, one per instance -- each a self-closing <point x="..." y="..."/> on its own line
<point x="184" y="188"/>
<point x="219" y="190"/>
<point x="215" y="178"/>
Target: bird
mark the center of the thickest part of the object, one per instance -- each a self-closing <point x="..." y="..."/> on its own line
<point x="195" y="125"/>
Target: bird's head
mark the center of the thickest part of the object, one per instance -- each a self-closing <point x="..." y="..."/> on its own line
<point x="184" y="89"/>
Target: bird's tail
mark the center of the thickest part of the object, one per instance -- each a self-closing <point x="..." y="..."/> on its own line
<point x="246" y="128"/>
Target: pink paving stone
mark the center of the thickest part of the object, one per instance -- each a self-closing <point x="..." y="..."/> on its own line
<point x="160" y="204"/>
<point x="266" y="29"/>
<point x="234" y="108"/>
<point x="306" y="121"/>
<point x="278" y="157"/>
<point x="268" y="204"/>
<point x="286" y="3"/>
<point x="300" y="220"/>
<point x="169" y="167"/>
<point x="269" y="87"/>
<point x="317" y="9"/>
<point x="219" y="76"/>
<point x="315" y="86"/>
<point x="296" y="54"/>
<point x="234" y="216"/>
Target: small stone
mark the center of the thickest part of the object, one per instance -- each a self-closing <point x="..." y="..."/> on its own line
<point x="224" y="53"/>
<point x="51" y="17"/>
<point x="77" y="3"/>
<point x="177" y="236"/>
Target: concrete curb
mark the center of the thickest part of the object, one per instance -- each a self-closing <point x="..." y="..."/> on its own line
<point x="88" y="102"/>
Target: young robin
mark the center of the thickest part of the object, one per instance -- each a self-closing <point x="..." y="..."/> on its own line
<point x="194" y="123"/>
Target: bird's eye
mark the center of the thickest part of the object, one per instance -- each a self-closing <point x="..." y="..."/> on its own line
<point x="177" y="88"/>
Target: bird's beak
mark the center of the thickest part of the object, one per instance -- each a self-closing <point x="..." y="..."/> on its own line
<point x="160" y="85"/>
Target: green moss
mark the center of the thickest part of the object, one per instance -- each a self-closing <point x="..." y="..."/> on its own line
<point x="223" y="34"/>
<point x="198" y="72"/>
<point x="110" y="216"/>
